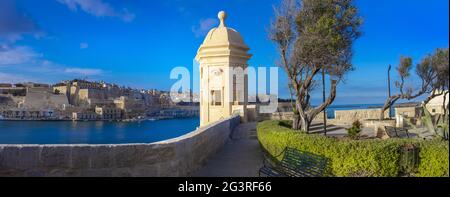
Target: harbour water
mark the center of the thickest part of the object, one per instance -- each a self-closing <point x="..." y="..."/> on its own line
<point x="104" y="132"/>
<point x="95" y="132"/>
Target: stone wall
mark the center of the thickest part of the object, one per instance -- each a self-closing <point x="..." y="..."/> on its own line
<point x="278" y="116"/>
<point x="342" y="117"/>
<point x="350" y="116"/>
<point x="39" y="98"/>
<point x="286" y="116"/>
<point x="175" y="157"/>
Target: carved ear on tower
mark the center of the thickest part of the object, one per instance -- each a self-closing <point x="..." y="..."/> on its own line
<point x="217" y="71"/>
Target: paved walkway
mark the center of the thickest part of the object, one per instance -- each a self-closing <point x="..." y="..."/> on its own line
<point x="240" y="157"/>
<point x="332" y="130"/>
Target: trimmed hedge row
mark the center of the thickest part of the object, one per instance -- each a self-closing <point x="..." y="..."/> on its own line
<point x="374" y="157"/>
<point x="434" y="159"/>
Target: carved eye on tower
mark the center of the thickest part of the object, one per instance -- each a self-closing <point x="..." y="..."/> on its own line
<point x="217" y="71"/>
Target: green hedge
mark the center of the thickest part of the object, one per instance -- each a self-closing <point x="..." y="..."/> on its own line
<point x="433" y="159"/>
<point x="375" y="157"/>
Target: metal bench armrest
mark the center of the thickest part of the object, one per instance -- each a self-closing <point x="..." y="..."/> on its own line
<point x="267" y="159"/>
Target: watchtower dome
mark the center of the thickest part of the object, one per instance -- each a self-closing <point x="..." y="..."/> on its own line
<point x="222" y="93"/>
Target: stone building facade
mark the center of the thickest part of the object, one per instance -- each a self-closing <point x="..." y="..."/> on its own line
<point x="436" y="105"/>
<point x="85" y="115"/>
<point x="108" y="113"/>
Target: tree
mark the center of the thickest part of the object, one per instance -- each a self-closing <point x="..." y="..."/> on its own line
<point x="440" y="63"/>
<point x="312" y="36"/>
<point x="433" y="73"/>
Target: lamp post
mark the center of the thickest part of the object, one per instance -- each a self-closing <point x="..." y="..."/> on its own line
<point x="325" y="109"/>
<point x="389" y="88"/>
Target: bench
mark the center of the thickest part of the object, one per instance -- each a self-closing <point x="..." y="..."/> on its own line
<point x="296" y="163"/>
<point x="394" y="132"/>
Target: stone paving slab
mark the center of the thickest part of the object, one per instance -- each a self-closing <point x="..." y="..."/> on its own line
<point x="332" y="130"/>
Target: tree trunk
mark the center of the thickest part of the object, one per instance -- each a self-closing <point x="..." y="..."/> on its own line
<point x="321" y="108"/>
<point x="296" y="122"/>
<point x="389" y="102"/>
<point x="298" y="114"/>
<point x="305" y="123"/>
<point x="444" y="106"/>
<point x="383" y="110"/>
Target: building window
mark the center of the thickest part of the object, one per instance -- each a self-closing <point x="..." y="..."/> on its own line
<point x="433" y="110"/>
<point x="216" y="97"/>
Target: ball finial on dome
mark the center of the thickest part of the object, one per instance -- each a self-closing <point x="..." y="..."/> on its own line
<point x="222" y="17"/>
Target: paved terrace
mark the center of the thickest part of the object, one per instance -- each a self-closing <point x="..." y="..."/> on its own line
<point x="242" y="155"/>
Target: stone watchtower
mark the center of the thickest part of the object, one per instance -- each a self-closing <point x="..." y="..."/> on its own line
<point x="222" y="91"/>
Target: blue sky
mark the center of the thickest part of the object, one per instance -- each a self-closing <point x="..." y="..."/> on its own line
<point x="137" y="43"/>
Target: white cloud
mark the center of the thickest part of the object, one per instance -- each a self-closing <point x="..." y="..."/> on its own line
<point x="204" y="26"/>
<point x="83" y="71"/>
<point x="98" y="8"/>
<point x="22" y="63"/>
<point x="11" y="78"/>
<point x="84" y="45"/>
<point x="17" y="55"/>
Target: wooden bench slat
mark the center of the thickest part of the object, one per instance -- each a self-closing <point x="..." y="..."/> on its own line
<point x="299" y="164"/>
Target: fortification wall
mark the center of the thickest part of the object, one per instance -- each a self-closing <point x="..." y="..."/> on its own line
<point x="44" y="99"/>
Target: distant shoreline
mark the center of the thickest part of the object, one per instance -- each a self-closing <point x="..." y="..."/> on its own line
<point x="125" y="120"/>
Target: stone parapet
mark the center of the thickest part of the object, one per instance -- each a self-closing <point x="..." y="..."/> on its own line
<point x="175" y="157"/>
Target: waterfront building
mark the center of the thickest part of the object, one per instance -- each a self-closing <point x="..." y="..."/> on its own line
<point x="222" y="92"/>
<point x="83" y="84"/>
<point x="85" y="115"/>
<point x="179" y="112"/>
<point x="131" y="107"/>
<point x="67" y="97"/>
<point x="108" y="113"/>
<point x="85" y="93"/>
<point x="24" y="114"/>
<point x="9" y="89"/>
<point x="5" y="85"/>
<point x="61" y="88"/>
<point x="36" y="85"/>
